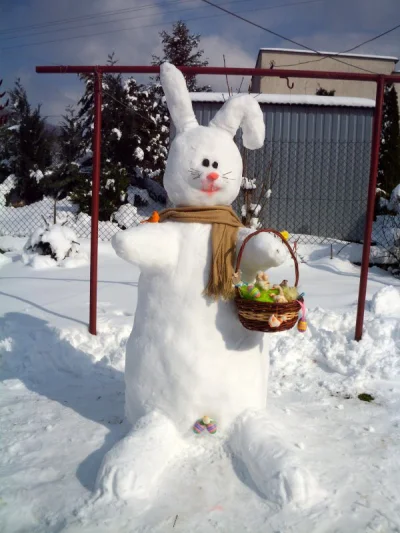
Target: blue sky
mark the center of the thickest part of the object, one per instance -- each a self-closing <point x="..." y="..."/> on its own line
<point x="132" y="34"/>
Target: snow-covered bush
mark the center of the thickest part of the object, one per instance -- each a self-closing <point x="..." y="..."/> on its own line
<point x="51" y="245"/>
<point x="386" y="231"/>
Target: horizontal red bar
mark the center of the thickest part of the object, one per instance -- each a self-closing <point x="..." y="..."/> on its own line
<point x="230" y="71"/>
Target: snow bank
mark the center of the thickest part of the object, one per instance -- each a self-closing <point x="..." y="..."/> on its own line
<point x="344" y="365"/>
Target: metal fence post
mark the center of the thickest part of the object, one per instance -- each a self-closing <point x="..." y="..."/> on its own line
<point x="376" y="142"/>
<point x="94" y="241"/>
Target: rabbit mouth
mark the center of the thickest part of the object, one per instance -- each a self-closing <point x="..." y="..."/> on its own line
<point x="210" y="188"/>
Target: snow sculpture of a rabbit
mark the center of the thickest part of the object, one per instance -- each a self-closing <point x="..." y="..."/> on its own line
<point x="189" y="356"/>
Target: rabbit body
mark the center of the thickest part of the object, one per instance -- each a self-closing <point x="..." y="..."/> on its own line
<point x="188" y="356"/>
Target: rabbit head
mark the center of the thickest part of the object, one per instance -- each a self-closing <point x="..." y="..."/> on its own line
<point x="204" y="165"/>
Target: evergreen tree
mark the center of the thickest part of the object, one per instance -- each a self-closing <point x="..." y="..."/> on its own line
<point x="3" y="107"/>
<point x="117" y="143"/>
<point x="65" y="176"/>
<point x="28" y="145"/>
<point x="389" y="157"/>
<point x="114" y="183"/>
<point x="181" y="48"/>
<point x="150" y="122"/>
<point x="5" y="162"/>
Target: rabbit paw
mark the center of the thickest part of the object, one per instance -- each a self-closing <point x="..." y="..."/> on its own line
<point x="132" y="469"/>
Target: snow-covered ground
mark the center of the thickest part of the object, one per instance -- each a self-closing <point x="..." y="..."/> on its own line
<point x="62" y="401"/>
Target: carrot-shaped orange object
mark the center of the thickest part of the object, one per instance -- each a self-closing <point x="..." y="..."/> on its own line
<point x="155" y="217"/>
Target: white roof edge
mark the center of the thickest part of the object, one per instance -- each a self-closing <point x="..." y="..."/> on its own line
<point x="297" y="51"/>
<point x="290" y="99"/>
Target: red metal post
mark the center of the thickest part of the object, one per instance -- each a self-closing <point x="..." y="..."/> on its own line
<point x="375" y="147"/>
<point x="94" y="244"/>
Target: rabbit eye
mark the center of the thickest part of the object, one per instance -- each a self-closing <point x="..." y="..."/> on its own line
<point x="215" y="164"/>
<point x="206" y="163"/>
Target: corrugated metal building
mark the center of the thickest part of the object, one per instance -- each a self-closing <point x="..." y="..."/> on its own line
<point x="316" y="157"/>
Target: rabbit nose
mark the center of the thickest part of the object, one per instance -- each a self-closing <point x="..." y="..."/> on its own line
<point x="212" y="176"/>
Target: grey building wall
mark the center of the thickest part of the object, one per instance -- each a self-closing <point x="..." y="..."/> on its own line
<point x="319" y="159"/>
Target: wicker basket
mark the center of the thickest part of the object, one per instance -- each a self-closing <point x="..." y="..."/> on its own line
<point x="254" y="315"/>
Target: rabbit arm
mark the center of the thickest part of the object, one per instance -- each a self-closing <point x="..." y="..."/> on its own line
<point x="262" y="252"/>
<point x="148" y="246"/>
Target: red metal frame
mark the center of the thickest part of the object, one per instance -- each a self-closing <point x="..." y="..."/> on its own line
<point x="94" y="235"/>
<point x="97" y="71"/>
<point x="373" y="175"/>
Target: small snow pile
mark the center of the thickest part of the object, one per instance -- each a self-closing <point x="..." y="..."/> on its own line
<point x="126" y="216"/>
<point x="386" y="302"/>
<point x="52" y="246"/>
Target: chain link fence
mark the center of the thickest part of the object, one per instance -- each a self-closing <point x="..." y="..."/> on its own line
<point x="317" y="191"/>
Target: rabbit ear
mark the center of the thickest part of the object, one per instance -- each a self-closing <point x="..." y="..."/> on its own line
<point x="242" y="111"/>
<point x="177" y="96"/>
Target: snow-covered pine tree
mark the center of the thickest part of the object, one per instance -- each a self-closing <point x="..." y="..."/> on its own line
<point x="5" y="162"/>
<point x="64" y="177"/>
<point x="28" y="146"/>
<point x="151" y="129"/>
<point x="114" y="183"/>
<point x="117" y="144"/>
<point x="181" y="48"/>
<point x="389" y="157"/>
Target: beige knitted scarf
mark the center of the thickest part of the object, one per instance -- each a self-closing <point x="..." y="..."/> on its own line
<point x="225" y="225"/>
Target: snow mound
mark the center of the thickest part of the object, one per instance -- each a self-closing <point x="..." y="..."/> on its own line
<point x="328" y="346"/>
<point x="4" y="260"/>
<point x="386" y="302"/>
<point x="51" y="246"/>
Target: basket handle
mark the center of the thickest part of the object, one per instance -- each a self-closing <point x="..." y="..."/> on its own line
<point x="246" y="240"/>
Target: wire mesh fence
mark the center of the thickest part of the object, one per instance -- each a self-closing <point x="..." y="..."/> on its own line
<point x="317" y="191"/>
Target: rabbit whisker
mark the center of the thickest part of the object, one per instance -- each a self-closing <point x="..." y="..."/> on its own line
<point x="225" y="173"/>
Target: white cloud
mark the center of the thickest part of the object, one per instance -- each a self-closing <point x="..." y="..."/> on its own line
<point x="215" y="47"/>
